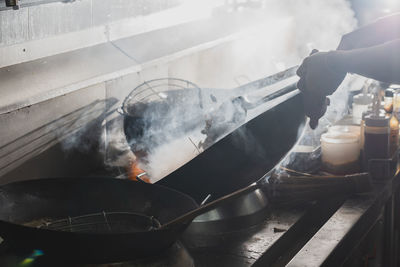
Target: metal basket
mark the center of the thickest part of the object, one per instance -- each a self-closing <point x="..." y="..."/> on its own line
<point x="154" y="90"/>
<point x="104" y="222"/>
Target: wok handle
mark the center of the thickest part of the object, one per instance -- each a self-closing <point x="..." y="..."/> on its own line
<point x="266" y="81"/>
<point x="189" y="216"/>
<point x="285" y="90"/>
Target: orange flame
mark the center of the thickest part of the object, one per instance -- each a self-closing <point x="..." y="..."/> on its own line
<point x="136" y="171"/>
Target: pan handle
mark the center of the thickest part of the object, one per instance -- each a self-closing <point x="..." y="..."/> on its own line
<point x="270" y="80"/>
<point x="250" y="105"/>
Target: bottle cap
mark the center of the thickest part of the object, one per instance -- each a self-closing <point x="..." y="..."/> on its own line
<point x="380" y="120"/>
<point x="389" y="92"/>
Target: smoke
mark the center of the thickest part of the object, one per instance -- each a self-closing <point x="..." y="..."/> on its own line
<point x="319" y="25"/>
<point x="169" y="156"/>
<point x="118" y="152"/>
<point x="286" y="32"/>
<point x="173" y="124"/>
<point x="80" y="130"/>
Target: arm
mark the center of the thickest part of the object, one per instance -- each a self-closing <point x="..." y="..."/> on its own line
<point x="321" y="73"/>
<point x="380" y="62"/>
<point x="382" y="30"/>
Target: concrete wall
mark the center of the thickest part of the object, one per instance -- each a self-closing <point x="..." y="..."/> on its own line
<point x="45" y="20"/>
<point x="27" y="132"/>
<point x="36" y="31"/>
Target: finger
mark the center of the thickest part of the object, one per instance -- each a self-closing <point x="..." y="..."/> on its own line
<point x="314" y="51"/>
<point x="314" y="118"/>
<point x="301" y="71"/>
<point x="314" y="108"/>
<point x="301" y="85"/>
<point x="313" y="123"/>
<point x="324" y="107"/>
<point x="309" y="105"/>
<point x="327" y="101"/>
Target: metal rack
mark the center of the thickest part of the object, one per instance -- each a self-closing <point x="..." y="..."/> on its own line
<point x="153" y="90"/>
<point x="104" y="222"/>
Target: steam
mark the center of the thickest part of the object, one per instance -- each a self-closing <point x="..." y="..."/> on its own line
<point x="320" y="25"/>
<point x="80" y="130"/>
<point x="166" y="158"/>
<point x="287" y="31"/>
<point x="118" y="152"/>
<point x="175" y="125"/>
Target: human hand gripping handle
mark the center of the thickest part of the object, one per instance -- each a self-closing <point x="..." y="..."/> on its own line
<point x="317" y="80"/>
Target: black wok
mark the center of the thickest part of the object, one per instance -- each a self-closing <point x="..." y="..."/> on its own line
<point x="57" y="198"/>
<point x="184" y="109"/>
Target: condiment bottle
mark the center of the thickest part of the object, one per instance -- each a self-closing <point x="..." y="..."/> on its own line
<point x="388" y="99"/>
<point x="396" y="102"/>
<point x="362" y="128"/>
<point x="360" y="105"/>
<point x="376" y="137"/>
<point x="394" y="135"/>
<point x="396" y="105"/>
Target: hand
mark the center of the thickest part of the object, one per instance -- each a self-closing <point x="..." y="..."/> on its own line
<point x="317" y="80"/>
<point x="314" y="108"/>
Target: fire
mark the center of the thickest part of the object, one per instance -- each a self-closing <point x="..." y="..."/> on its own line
<point x="136" y="171"/>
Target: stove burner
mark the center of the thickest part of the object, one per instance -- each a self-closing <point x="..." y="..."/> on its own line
<point x="102" y="222"/>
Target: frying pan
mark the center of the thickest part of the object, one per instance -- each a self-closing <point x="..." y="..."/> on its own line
<point x="24" y="202"/>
